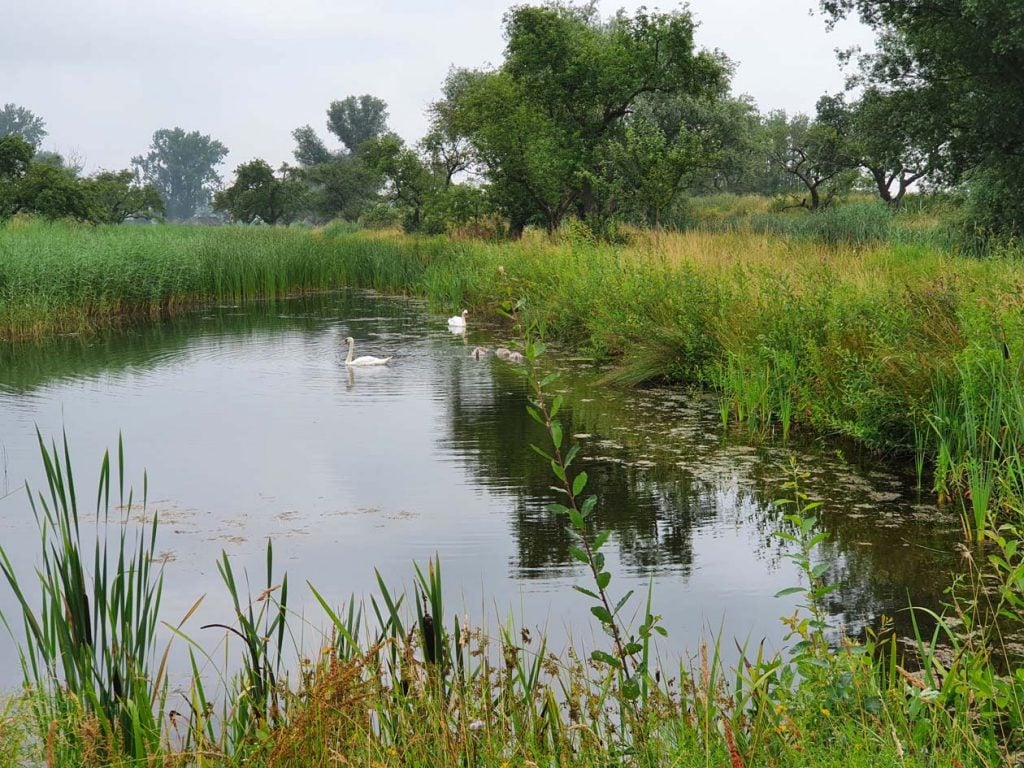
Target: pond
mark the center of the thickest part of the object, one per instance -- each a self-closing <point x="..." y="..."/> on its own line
<point x="250" y="427"/>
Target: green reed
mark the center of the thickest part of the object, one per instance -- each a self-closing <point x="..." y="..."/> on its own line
<point x="89" y="648"/>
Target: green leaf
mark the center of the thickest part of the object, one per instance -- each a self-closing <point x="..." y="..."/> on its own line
<point x="600" y="539"/>
<point x="570" y="455"/>
<point x="557" y="469"/>
<point x="540" y="452"/>
<point x="630" y="688"/>
<point x="556" y="405"/>
<point x="819" y="570"/>
<point x="558" y="509"/>
<point x="579" y="554"/>
<point x="599" y="560"/>
<point x="623" y="600"/>
<point x="790" y="591"/>
<point x="603" y="579"/>
<point x="579" y="483"/>
<point x="556" y="434"/>
<point x="535" y="415"/>
<point x="549" y="379"/>
<point x="587" y="592"/>
<point x="601" y="613"/>
<point x="632" y="648"/>
<point x="577" y="520"/>
<point x="606" y="658"/>
<point x="588" y="505"/>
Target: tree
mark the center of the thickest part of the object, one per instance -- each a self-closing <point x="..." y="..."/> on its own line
<point x="310" y="149"/>
<point x="539" y="125"/>
<point x="51" y="192"/>
<point x="894" y="141"/>
<point x="182" y="168"/>
<point x="356" y="119"/>
<point x="408" y="182"/>
<point x="116" y="196"/>
<point x="258" y="194"/>
<point x="816" y="153"/>
<point x="966" y="59"/>
<point x="19" y="121"/>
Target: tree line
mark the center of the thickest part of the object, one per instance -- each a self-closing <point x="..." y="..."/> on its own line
<point x="605" y="120"/>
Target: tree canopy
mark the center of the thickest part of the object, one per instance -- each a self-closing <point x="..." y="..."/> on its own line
<point x="541" y="123"/>
<point x="258" y="194"/>
<point x="182" y="167"/>
<point x="964" y="61"/>
<point x="19" y="121"/>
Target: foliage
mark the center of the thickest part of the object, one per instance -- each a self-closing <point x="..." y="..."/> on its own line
<point x="407" y="181"/>
<point x="115" y="197"/>
<point x="815" y="152"/>
<point x="182" y="168"/>
<point x="21" y="122"/>
<point x="357" y="119"/>
<point x="964" y="59"/>
<point x="90" y="646"/>
<point x="539" y="124"/>
<point x="258" y="194"/>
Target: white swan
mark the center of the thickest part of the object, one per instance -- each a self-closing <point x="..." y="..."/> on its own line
<point x="459" y="321"/>
<point x="502" y="353"/>
<point x="515" y="357"/>
<point x="365" y="359"/>
<point x="479" y="353"/>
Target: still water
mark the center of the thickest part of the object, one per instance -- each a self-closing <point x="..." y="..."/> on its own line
<point x="250" y="427"/>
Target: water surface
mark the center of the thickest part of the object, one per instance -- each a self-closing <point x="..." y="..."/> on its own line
<point x="250" y="427"/>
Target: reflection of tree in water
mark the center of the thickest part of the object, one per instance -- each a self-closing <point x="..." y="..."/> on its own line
<point x="883" y="552"/>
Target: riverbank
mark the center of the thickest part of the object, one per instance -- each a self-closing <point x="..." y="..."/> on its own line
<point x="902" y="348"/>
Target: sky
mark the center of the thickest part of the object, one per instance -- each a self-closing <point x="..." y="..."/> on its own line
<point x="106" y="74"/>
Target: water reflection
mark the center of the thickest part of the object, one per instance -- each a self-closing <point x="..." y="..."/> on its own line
<point x="251" y="426"/>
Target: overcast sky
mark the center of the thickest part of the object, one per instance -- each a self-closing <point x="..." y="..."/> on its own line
<point x="105" y="74"/>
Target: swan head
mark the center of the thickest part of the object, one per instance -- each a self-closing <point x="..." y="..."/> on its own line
<point x="465" y="314"/>
<point x="349" y="340"/>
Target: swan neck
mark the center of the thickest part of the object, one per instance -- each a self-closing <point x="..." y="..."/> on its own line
<point x="351" y="349"/>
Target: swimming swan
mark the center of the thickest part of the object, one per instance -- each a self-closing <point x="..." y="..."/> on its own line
<point x="502" y="353"/>
<point x="365" y="359"/>
<point x="479" y="353"/>
<point x="459" y="320"/>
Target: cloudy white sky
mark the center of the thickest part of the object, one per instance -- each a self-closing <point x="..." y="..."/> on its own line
<point x="105" y="74"/>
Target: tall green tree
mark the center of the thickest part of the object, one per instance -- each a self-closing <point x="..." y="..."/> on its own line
<point x="356" y="119"/>
<point x="19" y="121"/>
<point x="540" y="124"/>
<point x="183" y="169"/>
<point x="257" y="193"/>
<point x="966" y="58"/>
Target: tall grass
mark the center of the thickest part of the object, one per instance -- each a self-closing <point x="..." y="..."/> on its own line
<point x="89" y="649"/>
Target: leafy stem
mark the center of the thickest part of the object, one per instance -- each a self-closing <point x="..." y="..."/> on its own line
<point x="630" y="652"/>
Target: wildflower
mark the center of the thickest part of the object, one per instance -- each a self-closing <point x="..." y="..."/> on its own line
<point x="825" y="712"/>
